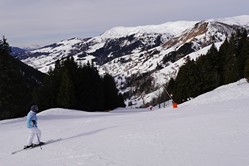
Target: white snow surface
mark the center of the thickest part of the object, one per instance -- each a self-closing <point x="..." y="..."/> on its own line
<point x="238" y="20"/>
<point x="173" y="28"/>
<point x="211" y="129"/>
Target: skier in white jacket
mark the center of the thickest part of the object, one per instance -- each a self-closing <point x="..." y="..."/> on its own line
<point x="32" y="126"/>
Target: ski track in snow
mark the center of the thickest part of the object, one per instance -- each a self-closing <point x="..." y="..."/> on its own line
<point x="211" y="129"/>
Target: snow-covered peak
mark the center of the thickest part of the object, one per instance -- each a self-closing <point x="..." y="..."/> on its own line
<point x="32" y="47"/>
<point x="237" y="20"/>
<point x="172" y="28"/>
<point x="128" y="52"/>
<point x="64" y="45"/>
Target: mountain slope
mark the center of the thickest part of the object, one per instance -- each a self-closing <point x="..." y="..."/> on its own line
<point x="112" y="41"/>
<point x="153" y="53"/>
<point x="17" y="82"/>
<point x="211" y="129"/>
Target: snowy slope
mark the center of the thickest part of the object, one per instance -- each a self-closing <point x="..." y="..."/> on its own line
<point x="125" y="41"/>
<point x="152" y="52"/>
<point x="86" y="49"/>
<point x="172" y="28"/>
<point x="238" y="20"/>
<point x="212" y="129"/>
<point x="45" y="57"/>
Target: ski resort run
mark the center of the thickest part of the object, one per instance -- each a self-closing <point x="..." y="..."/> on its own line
<point x="211" y="129"/>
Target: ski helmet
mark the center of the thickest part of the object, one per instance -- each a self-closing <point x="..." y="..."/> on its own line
<point x="34" y="108"/>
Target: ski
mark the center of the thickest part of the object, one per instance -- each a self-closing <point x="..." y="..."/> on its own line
<point x="33" y="147"/>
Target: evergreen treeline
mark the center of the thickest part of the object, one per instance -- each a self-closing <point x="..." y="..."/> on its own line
<point x="75" y="86"/>
<point x="218" y="67"/>
<point x="69" y="85"/>
<point x="16" y="84"/>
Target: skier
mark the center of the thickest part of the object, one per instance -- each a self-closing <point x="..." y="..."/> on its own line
<point x="32" y="126"/>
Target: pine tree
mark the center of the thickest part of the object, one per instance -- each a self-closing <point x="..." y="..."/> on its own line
<point x="89" y="89"/>
<point x="111" y="93"/>
<point x="243" y="54"/>
<point x="4" y="46"/>
<point x="245" y="51"/>
<point x="188" y="82"/>
<point x="66" y="98"/>
<point x="231" y="62"/>
<point x="14" y="93"/>
<point x="246" y="71"/>
<point x="170" y="87"/>
<point x="81" y="87"/>
<point x="210" y="67"/>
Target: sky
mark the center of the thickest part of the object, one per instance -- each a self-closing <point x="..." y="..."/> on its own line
<point x="26" y="23"/>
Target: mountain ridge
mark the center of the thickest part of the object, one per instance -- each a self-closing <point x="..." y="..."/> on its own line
<point x="128" y="53"/>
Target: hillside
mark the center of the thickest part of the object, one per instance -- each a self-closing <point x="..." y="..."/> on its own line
<point x="211" y="129"/>
<point x="17" y="82"/>
<point x="153" y="53"/>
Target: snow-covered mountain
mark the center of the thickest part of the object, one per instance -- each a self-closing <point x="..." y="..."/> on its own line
<point x="211" y="129"/>
<point x="153" y="53"/>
